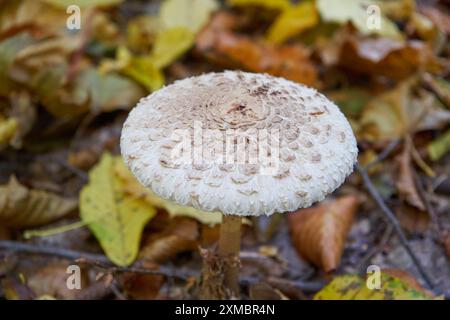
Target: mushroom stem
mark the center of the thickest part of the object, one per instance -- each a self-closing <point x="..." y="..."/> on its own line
<point x="229" y="247"/>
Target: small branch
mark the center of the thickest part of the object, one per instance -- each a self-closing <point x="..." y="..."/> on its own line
<point x="385" y="153"/>
<point x="98" y="260"/>
<point x="393" y="220"/>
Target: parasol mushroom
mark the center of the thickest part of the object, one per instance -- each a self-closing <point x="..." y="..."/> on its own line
<point x="239" y="143"/>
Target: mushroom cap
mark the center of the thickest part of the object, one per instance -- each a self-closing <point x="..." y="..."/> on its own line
<point x="298" y="146"/>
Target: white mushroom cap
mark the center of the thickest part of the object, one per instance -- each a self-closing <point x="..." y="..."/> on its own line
<point x="311" y="143"/>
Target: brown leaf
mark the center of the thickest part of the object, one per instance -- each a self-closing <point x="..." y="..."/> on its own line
<point x="21" y="207"/>
<point x="142" y="286"/>
<point x="221" y="45"/>
<point x="181" y="235"/>
<point x="405" y="182"/>
<point x="319" y="233"/>
<point x="412" y="219"/>
<point x="386" y="57"/>
<point x="52" y="280"/>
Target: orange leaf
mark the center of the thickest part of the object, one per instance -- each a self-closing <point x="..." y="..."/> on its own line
<point x="231" y="50"/>
<point x="319" y="233"/>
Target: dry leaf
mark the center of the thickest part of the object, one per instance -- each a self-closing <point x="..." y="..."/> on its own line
<point x="181" y="235"/>
<point x="52" y="280"/>
<point x="219" y="44"/>
<point x="142" y="286"/>
<point x="405" y="181"/>
<point x="21" y="207"/>
<point x="319" y="233"/>
<point x="387" y="57"/>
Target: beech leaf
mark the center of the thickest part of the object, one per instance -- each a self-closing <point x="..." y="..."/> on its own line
<point x="192" y="14"/>
<point x="319" y="233"/>
<point x="293" y="21"/>
<point x="21" y="207"/>
<point x="115" y="218"/>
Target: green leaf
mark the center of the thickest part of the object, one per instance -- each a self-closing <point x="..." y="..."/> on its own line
<point x="352" y="287"/>
<point x="355" y="11"/>
<point x="439" y="147"/>
<point x="64" y="4"/>
<point x="190" y="14"/>
<point x="293" y="21"/>
<point x="170" y="44"/>
<point x="116" y="218"/>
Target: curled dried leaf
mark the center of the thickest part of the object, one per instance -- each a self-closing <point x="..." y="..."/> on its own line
<point x="319" y="233"/>
<point x="21" y="207"/>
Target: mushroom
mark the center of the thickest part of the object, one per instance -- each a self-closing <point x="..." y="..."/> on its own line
<point x="240" y="143"/>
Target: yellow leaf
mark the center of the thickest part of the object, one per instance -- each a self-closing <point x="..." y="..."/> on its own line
<point x="269" y="4"/>
<point x="116" y="218"/>
<point x="133" y="188"/>
<point x="8" y="128"/>
<point x="190" y="14"/>
<point x="293" y="21"/>
<point x="439" y="147"/>
<point x="357" y="12"/>
<point x="63" y="4"/>
<point x="352" y="287"/>
<point x="21" y="207"/>
<point x="170" y="44"/>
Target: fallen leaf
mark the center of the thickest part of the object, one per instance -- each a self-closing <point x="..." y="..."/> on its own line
<point x="24" y="112"/>
<point x="268" y="4"/>
<point x="387" y="57"/>
<point x="142" y="286"/>
<point x="52" y="280"/>
<point x="21" y="207"/>
<point x="9" y="48"/>
<point x="8" y="129"/>
<point x="133" y="188"/>
<point x="170" y="44"/>
<point x="192" y="15"/>
<point x="439" y="147"/>
<point x="356" y="12"/>
<point x="219" y="44"/>
<point x="405" y="107"/>
<point x="352" y="287"/>
<point x="412" y="219"/>
<point x="142" y="69"/>
<point x="115" y="218"/>
<point x="405" y="182"/>
<point x="293" y="21"/>
<point x="63" y="4"/>
<point x="319" y="233"/>
<point x="181" y="235"/>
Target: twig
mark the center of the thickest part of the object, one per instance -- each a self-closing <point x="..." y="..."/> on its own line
<point x="385" y="153"/>
<point x="98" y="260"/>
<point x="393" y="220"/>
